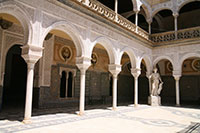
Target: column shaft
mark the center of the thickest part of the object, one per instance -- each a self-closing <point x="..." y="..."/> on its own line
<point x="149" y="28"/>
<point x="114" y="92"/>
<point x="136" y="91"/>
<point x="175" y="25"/>
<point x="136" y="20"/>
<point x="177" y="93"/>
<point x="82" y="93"/>
<point x="29" y="92"/>
<point x="116" y="6"/>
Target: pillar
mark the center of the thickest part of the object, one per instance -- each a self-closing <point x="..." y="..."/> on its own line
<point x="116" y="10"/>
<point x="31" y="55"/>
<point x="149" y="21"/>
<point x="177" y="78"/>
<point x="114" y="70"/>
<point x="175" y="24"/>
<point x="29" y="92"/>
<point x="136" y="73"/>
<point x="136" y="20"/>
<point x="83" y="64"/>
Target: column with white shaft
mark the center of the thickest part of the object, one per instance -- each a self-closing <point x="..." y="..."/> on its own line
<point x="114" y="70"/>
<point x="136" y="73"/>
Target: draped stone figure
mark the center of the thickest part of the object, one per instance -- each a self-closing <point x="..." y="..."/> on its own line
<point x="156" y="83"/>
<point x="156" y="87"/>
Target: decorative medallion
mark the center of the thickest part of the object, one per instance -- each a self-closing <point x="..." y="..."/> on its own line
<point x="65" y="53"/>
<point x="169" y="66"/>
<point x="196" y="64"/>
<point x="94" y="58"/>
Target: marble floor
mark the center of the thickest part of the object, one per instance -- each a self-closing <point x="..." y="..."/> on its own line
<point x="102" y="119"/>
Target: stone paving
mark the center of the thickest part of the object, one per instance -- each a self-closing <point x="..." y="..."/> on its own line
<point x="102" y="119"/>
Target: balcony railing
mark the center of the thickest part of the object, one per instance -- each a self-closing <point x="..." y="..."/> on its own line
<point x="160" y="38"/>
<point x="112" y="16"/>
<point x="188" y="33"/>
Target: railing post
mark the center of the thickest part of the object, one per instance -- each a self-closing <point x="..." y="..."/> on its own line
<point x="175" y="24"/>
<point x="116" y="10"/>
<point x="149" y="21"/>
<point x="136" y="20"/>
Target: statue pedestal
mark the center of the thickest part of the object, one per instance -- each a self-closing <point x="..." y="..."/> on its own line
<point x="154" y="100"/>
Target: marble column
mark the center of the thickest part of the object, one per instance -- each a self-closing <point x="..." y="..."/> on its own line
<point x="29" y="92"/>
<point x="116" y="10"/>
<point x="114" y="70"/>
<point x="136" y="20"/>
<point x="31" y="55"/>
<point x="175" y="24"/>
<point x="177" y="78"/>
<point x="136" y="73"/>
<point x="83" y="64"/>
<point x="82" y="92"/>
<point x="149" y="22"/>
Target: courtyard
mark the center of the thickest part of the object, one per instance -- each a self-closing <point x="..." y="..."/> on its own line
<point x="102" y="119"/>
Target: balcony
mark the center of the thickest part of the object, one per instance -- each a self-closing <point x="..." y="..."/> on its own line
<point x="153" y="39"/>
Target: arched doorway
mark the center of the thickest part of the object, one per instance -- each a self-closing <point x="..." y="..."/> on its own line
<point x="168" y="94"/>
<point x="163" y="21"/>
<point x="189" y="82"/>
<point x="125" y="82"/>
<point x="100" y="80"/>
<point x="189" y="15"/>
<point x="143" y="86"/>
<point x="14" y="79"/>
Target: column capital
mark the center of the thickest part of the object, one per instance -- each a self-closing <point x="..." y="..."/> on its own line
<point x="175" y="14"/>
<point x="177" y="73"/>
<point x="149" y="21"/>
<point x="114" y="69"/>
<point x="83" y="63"/>
<point x="135" y="72"/>
<point x="136" y="10"/>
<point x="177" y="77"/>
<point x="31" y="53"/>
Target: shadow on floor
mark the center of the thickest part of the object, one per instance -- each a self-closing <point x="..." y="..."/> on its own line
<point x="16" y="113"/>
<point x="192" y="128"/>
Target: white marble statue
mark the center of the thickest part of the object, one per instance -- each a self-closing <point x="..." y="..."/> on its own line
<point x="156" y="83"/>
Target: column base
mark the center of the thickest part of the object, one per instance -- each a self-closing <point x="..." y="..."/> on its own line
<point x="178" y="105"/>
<point x="136" y="105"/>
<point x="27" y="121"/>
<point x="81" y="113"/>
<point x="114" y="108"/>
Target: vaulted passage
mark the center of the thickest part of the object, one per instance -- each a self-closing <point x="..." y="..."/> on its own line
<point x="14" y="79"/>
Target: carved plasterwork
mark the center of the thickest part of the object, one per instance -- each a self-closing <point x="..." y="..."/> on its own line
<point x="196" y="64"/>
<point x="65" y="53"/>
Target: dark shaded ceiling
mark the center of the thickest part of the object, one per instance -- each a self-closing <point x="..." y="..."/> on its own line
<point x="190" y="7"/>
<point x="123" y="5"/>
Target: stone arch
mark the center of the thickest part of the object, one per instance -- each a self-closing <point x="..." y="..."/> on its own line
<point x="160" y="9"/>
<point x="148" y="63"/>
<point x="13" y="9"/>
<point x="70" y="30"/>
<point x="185" y="3"/>
<point x="146" y="11"/>
<point x="107" y="44"/>
<point x="186" y="56"/>
<point x="162" y="58"/>
<point x="131" y="55"/>
<point x="4" y="58"/>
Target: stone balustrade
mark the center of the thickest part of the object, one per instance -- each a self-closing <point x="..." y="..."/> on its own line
<point x="109" y="14"/>
<point x="116" y="18"/>
<point x="181" y="34"/>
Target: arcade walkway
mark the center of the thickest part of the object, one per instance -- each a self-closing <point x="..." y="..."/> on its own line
<point x="99" y="119"/>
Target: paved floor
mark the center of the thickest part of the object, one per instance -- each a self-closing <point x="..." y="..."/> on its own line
<point x="126" y="119"/>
